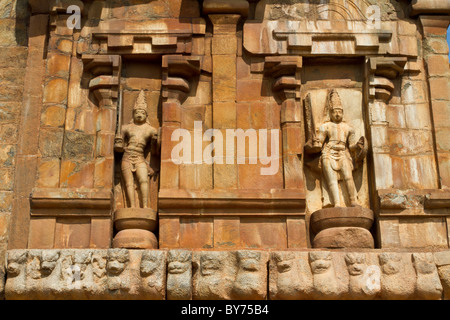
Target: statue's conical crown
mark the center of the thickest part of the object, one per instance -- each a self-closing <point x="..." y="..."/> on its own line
<point x="334" y="100"/>
<point x="141" y="102"/>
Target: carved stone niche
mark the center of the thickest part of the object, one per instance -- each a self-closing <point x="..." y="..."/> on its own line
<point x="136" y="146"/>
<point x="335" y="149"/>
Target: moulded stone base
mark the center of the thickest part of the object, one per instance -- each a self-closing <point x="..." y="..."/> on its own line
<point x="135" y="218"/>
<point x="344" y="237"/>
<point x="342" y="217"/>
<point x="135" y="239"/>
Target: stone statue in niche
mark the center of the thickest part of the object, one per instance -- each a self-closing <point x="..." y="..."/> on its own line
<point x="137" y="221"/>
<point x="132" y="139"/>
<point x="340" y="151"/>
<point x="333" y="153"/>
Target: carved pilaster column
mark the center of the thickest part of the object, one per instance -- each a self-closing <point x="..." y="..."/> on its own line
<point x="380" y="75"/>
<point x="224" y="16"/>
<point x="286" y="74"/>
<point x="438" y="76"/>
<point x="178" y="72"/>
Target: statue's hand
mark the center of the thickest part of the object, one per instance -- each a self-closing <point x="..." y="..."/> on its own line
<point x="361" y="142"/>
<point x="118" y="145"/>
<point x="316" y="143"/>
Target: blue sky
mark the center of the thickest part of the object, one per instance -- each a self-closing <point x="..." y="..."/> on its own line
<point x="448" y="39"/>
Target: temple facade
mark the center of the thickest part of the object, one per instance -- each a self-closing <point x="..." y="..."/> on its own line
<point x="224" y="149"/>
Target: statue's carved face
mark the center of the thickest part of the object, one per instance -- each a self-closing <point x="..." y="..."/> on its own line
<point x="139" y="116"/>
<point x="336" y="115"/>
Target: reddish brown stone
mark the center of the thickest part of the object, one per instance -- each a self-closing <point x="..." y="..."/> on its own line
<point x="72" y="233"/>
<point x="135" y="239"/>
<point x="196" y="233"/>
<point x="42" y="233"/>
<point x="226" y="232"/>
<point x="343" y="237"/>
<point x="263" y="233"/>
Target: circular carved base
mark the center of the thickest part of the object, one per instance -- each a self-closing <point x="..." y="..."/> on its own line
<point x="358" y="217"/>
<point x="344" y="237"/>
<point x="135" y="218"/>
<point x="135" y="239"/>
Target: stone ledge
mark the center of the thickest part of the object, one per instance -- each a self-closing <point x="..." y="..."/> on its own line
<point x="64" y="202"/>
<point x="414" y="202"/>
<point x="229" y="275"/>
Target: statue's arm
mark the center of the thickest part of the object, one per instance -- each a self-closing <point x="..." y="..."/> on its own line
<point x="352" y="142"/>
<point x="319" y="139"/>
<point x="119" y="140"/>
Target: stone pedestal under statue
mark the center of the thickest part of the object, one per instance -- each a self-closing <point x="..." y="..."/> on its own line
<point x="342" y="227"/>
<point x="135" y="228"/>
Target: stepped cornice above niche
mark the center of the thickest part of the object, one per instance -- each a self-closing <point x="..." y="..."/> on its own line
<point x="320" y="37"/>
<point x="142" y="37"/>
<point x="334" y="27"/>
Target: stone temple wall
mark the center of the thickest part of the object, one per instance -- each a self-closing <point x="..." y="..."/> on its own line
<point x="242" y="182"/>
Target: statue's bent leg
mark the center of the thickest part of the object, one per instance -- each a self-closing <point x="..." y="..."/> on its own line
<point x="349" y="183"/>
<point x="142" y="177"/>
<point x="129" y="183"/>
<point x="331" y="178"/>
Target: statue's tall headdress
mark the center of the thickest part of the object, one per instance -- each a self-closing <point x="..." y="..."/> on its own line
<point x="141" y="104"/>
<point x="333" y="102"/>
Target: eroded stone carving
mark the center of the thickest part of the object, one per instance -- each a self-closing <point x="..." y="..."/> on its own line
<point x="398" y="279"/>
<point x="153" y="274"/>
<point x="365" y="280"/>
<point x="141" y="274"/>
<point x="16" y="274"/>
<point x="326" y="284"/>
<point x="428" y="284"/>
<point x="251" y="278"/>
<point x="179" y="277"/>
<point x="115" y="267"/>
<point x="214" y="275"/>
<point x="291" y="277"/>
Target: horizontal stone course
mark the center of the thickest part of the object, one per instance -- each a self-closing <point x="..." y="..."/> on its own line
<point x="226" y="274"/>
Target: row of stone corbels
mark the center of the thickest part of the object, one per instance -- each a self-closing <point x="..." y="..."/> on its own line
<point x="217" y="275"/>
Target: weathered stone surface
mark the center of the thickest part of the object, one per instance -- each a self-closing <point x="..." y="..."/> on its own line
<point x="217" y="275"/>
<point x="179" y="277"/>
<point x="230" y="65"/>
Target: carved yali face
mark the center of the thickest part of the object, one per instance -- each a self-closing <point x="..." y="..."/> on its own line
<point x="115" y="267"/>
<point x="178" y="267"/>
<point x="149" y="264"/>
<point x="320" y="262"/>
<point x="390" y="263"/>
<point x="49" y="260"/>
<point x="179" y="261"/>
<point x="209" y="265"/>
<point x="15" y="260"/>
<point x="355" y="264"/>
<point x="99" y="265"/>
<point x="424" y="263"/>
<point x="284" y="262"/>
<point x="117" y="260"/>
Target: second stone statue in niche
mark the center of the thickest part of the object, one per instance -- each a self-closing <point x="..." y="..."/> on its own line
<point x="340" y="152"/>
<point x="136" y="221"/>
<point x="132" y="141"/>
